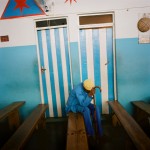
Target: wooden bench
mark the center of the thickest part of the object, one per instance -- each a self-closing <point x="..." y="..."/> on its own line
<point x="142" y="115"/>
<point x="11" y="112"/>
<point x="21" y="136"/>
<point x="76" y="134"/>
<point x="136" y="134"/>
<point x="142" y="106"/>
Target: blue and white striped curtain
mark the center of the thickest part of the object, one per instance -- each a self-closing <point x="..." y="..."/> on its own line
<point x="56" y="81"/>
<point x="96" y="63"/>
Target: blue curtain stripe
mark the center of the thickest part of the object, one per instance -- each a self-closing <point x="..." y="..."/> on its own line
<point x="109" y="37"/>
<point x="96" y="58"/>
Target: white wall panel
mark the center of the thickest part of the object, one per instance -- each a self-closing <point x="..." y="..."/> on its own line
<point x="20" y="31"/>
<point x="83" y="6"/>
<point x="126" y="22"/>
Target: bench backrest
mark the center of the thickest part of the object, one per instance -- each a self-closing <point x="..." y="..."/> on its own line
<point x="5" y="112"/>
<point x="143" y="106"/>
<point x="23" y="133"/>
<point x="137" y="135"/>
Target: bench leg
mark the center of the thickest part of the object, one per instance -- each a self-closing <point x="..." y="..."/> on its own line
<point x="115" y="121"/>
<point x="14" y="120"/>
<point x="41" y="123"/>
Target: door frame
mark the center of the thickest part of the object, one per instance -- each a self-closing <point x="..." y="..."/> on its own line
<point x="102" y="25"/>
<point x="38" y="51"/>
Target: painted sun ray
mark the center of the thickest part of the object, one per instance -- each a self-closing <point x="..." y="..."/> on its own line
<point x="71" y="1"/>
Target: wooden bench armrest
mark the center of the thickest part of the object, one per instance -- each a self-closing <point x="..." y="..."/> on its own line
<point x="137" y="135"/>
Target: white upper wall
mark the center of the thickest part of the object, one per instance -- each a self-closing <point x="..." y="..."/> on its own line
<point x="21" y="31"/>
<point x="85" y="6"/>
<point x="126" y="22"/>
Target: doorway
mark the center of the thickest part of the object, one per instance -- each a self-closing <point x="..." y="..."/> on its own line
<point x="53" y="45"/>
<point x="97" y="56"/>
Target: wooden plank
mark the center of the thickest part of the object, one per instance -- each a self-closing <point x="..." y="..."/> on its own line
<point x="142" y="115"/>
<point x="143" y="106"/>
<point x="76" y="122"/>
<point x="11" y="112"/>
<point x="23" y="133"/>
<point x="14" y="120"/>
<point x="5" y="112"/>
<point x="137" y="135"/>
<point x="76" y="134"/>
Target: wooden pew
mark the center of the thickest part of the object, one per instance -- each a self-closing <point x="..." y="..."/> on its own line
<point x="76" y="134"/>
<point x="136" y="134"/>
<point x="21" y="136"/>
<point x="142" y="106"/>
<point x="11" y="112"/>
<point x="142" y="115"/>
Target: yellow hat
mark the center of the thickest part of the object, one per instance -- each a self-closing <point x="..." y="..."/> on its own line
<point x="88" y="84"/>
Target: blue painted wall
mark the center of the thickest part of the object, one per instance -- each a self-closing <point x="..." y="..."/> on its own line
<point x="133" y="71"/>
<point x="19" y="78"/>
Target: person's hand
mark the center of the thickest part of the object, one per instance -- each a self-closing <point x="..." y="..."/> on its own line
<point x="92" y="92"/>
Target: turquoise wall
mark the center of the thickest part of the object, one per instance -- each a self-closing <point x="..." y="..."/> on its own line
<point x="133" y="71"/>
<point x="19" y="78"/>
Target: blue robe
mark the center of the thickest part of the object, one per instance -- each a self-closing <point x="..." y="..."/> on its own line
<point x="80" y="101"/>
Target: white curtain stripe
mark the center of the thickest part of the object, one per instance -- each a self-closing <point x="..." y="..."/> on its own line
<point x="103" y="67"/>
<point x="58" y="99"/>
<point x="63" y="58"/>
<point x="89" y="53"/>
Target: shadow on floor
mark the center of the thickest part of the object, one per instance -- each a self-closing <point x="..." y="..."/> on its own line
<point x="54" y="136"/>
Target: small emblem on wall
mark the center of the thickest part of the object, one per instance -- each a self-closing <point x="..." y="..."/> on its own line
<point x="4" y="38"/>
<point x="21" y="4"/>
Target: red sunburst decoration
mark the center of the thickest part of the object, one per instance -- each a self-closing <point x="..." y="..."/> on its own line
<point x="70" y="1"/>
<point x="21" y="4"/>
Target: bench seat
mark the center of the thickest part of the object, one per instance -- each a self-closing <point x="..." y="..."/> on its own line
<point x="76" y="134"/>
